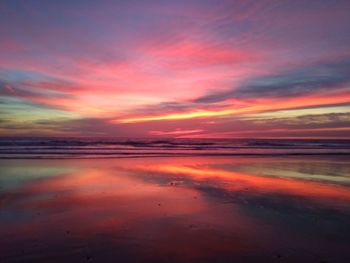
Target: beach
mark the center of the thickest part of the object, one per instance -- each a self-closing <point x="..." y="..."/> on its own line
<point x="176" y="209"/>
<point x="176" y="131"/>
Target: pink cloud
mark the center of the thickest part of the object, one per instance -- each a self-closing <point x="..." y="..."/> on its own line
<point x="191" y="53"/>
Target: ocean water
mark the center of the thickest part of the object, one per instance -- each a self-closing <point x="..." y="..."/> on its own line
<point x="74" y="147"/>
<point x="180" y="200"/>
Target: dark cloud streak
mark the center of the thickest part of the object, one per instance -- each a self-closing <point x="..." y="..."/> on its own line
<point x="306" y="80"/>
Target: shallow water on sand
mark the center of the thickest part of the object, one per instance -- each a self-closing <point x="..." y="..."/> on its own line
<point x="195" y="209"/>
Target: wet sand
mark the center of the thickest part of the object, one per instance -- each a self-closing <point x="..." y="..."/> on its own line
<point x="198" y="209"/>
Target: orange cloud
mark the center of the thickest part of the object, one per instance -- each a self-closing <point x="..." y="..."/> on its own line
<point x="176" y="132"/>
<point x="177" y="116"/>
<point x="256" y="106"/>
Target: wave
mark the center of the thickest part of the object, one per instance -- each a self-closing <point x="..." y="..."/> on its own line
<point x="55" y="147"/>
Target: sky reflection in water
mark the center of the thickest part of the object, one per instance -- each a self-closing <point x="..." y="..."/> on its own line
<point x="176" y="210"/>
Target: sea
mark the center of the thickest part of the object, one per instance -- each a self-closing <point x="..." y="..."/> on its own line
<point x="205" y="200"/>
<point x="93" y="147"/>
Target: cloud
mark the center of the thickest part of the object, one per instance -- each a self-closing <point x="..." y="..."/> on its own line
<point x="33" y="90"/>
<point x="191" y="54"/>
<point x="307" y="80"/>
<point x="311" y="120"/>
<point x="175" y="132"/>
<point x="183" y="63"/>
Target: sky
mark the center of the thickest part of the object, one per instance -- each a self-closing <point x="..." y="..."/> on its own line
<point x="180" y="68"/>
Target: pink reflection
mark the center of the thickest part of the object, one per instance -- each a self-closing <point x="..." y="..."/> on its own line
<point x="235" y="181"/>
<point x="177" y="209"/>
<point x="126" y="208"/>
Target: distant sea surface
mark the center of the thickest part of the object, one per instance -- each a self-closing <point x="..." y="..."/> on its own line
<point x="74" y="147"/>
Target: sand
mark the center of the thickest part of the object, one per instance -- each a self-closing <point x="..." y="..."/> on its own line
<point x="199" y="209"/>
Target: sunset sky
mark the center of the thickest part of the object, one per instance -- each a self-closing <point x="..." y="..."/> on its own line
<point x="180" y="68"/>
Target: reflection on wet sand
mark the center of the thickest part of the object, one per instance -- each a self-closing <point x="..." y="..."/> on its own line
<point x="175" y="210"/>
<point x="239" y="181"/>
